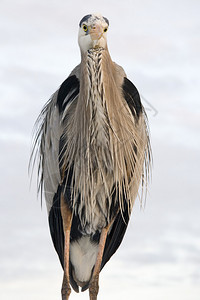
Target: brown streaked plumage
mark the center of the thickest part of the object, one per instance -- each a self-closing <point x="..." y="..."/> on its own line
<point x="94" y="154"/>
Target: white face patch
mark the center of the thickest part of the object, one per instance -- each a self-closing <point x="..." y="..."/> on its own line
<point x="85" y="42"/>
<point x="86" y="33"/>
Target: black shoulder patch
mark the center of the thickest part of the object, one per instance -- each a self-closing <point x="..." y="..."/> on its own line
<point x="132" y="97"/>
<point x="70" y="86"/>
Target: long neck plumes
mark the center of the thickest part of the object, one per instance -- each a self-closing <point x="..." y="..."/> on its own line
<point x="92" y="90"/>
<point x="103" y="145"/>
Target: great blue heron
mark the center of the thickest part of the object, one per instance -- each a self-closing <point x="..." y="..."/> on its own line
<point x="94" y="152"/>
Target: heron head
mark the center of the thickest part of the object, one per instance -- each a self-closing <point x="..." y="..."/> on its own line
<point x="93" y="32"/>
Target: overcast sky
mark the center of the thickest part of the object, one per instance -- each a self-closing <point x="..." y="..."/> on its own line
<point x="158" y="44"/>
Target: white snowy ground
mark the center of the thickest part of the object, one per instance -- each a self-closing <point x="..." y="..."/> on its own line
<point x="158" y="44"/>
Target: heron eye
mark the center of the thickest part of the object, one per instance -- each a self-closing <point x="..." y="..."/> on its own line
<point x="85" y="28"/>
<point x="105" y="29"/>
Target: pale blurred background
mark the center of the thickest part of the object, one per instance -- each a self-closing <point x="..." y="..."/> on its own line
<point x="158" y="44"/>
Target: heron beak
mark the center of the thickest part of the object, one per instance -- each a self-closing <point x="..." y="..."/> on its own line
<point x="96" y="32"/>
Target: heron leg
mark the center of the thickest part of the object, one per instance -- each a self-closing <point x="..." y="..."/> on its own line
<point x="94" y="282"/>
<point x="67" y="220"/>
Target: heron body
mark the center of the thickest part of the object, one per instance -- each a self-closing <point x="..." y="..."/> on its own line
<point x="94" y="152"/>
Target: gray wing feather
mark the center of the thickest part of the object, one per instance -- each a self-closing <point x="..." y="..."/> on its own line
<point x="50" y="152"/>
<point x="49" y="129"/>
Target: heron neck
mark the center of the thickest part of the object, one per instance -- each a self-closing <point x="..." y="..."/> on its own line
<point x="96" y="67"/>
